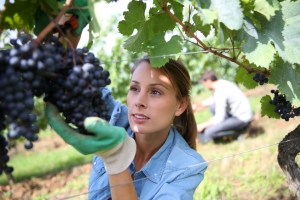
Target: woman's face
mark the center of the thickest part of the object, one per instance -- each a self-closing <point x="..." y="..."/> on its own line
<point x="151" y="100"/>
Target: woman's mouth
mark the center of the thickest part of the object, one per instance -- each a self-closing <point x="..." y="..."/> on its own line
<point x="139" y="118"/>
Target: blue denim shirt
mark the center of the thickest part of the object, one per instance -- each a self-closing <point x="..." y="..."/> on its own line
<point x="173" y="172"/>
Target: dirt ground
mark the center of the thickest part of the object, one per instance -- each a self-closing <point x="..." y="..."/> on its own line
<point x="29" y="189"/>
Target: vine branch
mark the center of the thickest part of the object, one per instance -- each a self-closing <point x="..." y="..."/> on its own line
<point x="210" y="49"/>
<point x="165" y="8"/>
<point x="53" y="23"/>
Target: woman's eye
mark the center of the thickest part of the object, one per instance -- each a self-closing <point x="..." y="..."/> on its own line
<point x="155" y="92"/>
<point x="133" y="88"/>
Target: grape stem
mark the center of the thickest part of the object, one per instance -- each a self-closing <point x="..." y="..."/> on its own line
<point x="10" y="178"/>
<point x="70" y="44"/>
<point x="48" y="75"/>
<point x="53" y="23"/>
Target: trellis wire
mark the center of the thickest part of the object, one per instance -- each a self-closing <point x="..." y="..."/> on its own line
<point x="198" y="164"/>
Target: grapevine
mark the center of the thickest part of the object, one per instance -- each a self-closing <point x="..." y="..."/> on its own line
<point x="47" y="70"/>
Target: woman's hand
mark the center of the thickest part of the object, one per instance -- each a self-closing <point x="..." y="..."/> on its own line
<point x="111" y="143"/>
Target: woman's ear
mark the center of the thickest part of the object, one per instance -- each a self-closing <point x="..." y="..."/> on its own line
<point x="182" y="106"/>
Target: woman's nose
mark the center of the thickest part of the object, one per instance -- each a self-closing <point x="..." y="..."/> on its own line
<point x="140" y="101"/>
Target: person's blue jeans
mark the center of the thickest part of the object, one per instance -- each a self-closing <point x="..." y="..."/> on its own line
<point x="230" y="123"/>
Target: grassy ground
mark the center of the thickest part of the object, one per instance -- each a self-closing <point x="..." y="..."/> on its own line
<point x="237" y="170"/>
<point x="244" y="170"/>
<point x="247" y="169"/>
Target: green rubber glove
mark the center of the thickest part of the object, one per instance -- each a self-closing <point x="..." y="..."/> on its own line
<point x="111" y="143"/>
<point x="82" y="12"/>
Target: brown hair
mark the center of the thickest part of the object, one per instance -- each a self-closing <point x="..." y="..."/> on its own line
<point x="180" y="79"/>
<point x="209" y="75"/>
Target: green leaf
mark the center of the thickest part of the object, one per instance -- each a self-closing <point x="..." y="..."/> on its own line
<point x="199" y="25"/>
<point x="284" y="38"/>
<point x="159" y="50"/>
<point x="229" y="13"/>
<point x="161" y="22"/>
<point x="153" y="11"/>
<point x="177" y="8"/>
<point x="222" y="33"/>
<point x="19" y="15"/>
<point x="208" y="16"/>
<point x="243" y="77"/>
<point x="287" y="79"/>
<point x="257" y="41"/>
<point x="262" y="56"/>
<point x="266" y="7"/>
<point x="291" y="15"/>
<point x="134" y="19"/>
<point x="49" y="6"/>
<point x="267" y="108"/>
<point x="134" y="43"/>
<point x="203" y="3"/>
<point x="94" y="25"/>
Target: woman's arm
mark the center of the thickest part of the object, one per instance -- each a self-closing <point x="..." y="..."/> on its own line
<point x="122" y="186"/>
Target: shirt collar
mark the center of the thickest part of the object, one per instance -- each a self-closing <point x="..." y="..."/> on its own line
<point x="155" y="167"/>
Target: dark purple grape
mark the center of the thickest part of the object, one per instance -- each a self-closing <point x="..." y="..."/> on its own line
<point x="28" y="145"/>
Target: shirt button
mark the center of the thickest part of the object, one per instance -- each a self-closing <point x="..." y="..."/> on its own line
<point x="95" y="163"/>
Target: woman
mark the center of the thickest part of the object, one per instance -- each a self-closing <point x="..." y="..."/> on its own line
<point x="152" y="159"/>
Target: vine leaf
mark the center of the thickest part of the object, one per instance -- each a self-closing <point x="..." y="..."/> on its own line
<point x="287" y="79"/>
<point x="208" y="16"/>
<point x="291" y="15"/>
<point x="49" y="6"/>
<point x="253" y="39"/>
<point x="262" y="56"/>
<point x="158" y="49"/>
<point x="244" y="78"/>
<point x="267" y="108"/>
<point x="19" y="15"/>
<point x="203" y="3"/>
<point x="177" y="8"/>
<point x="135" y="20"/>
<point x="200" y="26"/>
<point x="96" y="16"/>
<point x="267" y="8"/>
<point x="229" y="13"/>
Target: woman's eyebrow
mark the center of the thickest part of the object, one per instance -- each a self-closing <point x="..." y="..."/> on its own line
<point x="135" y="81"/>
<point x="152" y="84"/>
<point x="159" y="84"/>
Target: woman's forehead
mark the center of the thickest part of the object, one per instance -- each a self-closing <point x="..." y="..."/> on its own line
<point x="145" y="71"/>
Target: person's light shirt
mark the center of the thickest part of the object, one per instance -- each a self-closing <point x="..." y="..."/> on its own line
<point x="229" y="98"/>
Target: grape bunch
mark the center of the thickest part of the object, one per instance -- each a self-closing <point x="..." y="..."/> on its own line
<point x="284" y="107"/>
<point x="70" y="79"/>
<point x="17" y="75"/>
<point x="76" y="91"/>
<point x="260" y="78"/>
<point x="4" y="157"/>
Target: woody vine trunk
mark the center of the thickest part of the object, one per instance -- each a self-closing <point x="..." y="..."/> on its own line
<point x="288" y="149"/>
